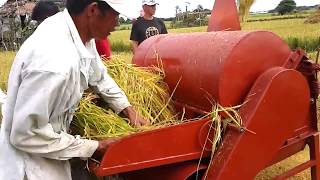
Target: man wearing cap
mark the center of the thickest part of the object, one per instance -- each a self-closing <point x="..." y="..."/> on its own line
<point x="147" y="25"/>
<point x="45" y="85"/>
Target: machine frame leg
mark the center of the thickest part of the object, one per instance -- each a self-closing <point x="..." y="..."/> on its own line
<point x="314" y="145"/>
<point x="314" y="162"/>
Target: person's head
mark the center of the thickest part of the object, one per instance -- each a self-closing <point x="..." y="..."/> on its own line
<point x="95" y="18"/>
<point x="44" y="9"/>
<point x="149" y="7"/>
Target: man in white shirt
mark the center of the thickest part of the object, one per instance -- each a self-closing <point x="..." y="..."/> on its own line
<point x="47" y="79"/>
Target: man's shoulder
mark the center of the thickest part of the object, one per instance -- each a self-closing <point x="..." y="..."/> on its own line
<point x="39" y="54"/>
<point x="158" y="19"/>
<point x="139" y="20"/>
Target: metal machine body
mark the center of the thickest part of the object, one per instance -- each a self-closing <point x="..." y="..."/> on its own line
<point x="275" y="85"/>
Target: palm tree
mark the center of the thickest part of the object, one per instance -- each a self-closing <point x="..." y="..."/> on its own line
<point x="177" y="8"/>
<point x="244" y="8"/>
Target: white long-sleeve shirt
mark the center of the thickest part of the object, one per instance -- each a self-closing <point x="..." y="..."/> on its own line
<point x="47" y="79"/>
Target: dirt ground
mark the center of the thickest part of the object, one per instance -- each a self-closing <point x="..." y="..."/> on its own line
<point x="286" y="165"/>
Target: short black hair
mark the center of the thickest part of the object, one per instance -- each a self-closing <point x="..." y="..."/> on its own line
<point x="75" y="7"/>
<point x="44" y="9"/>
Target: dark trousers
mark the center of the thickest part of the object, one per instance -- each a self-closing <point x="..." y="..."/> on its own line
<point x="79" y="170"/>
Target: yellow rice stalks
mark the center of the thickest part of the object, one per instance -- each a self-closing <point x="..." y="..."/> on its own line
<point x="221" y="118"/>
<point x="145" y="90"/>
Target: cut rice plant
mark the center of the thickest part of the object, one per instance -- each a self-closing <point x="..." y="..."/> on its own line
<point x="145" y="89"/>
<point x="222" y="117"/>
<point x="147" y="93"/>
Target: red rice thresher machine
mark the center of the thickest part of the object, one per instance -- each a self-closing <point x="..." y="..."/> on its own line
<point x="276" y="86"/>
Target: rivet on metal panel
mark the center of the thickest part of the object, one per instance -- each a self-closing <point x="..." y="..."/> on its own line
<point x="312" y="101"/>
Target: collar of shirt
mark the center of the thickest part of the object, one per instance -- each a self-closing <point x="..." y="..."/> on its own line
<point x="82" y="49"/>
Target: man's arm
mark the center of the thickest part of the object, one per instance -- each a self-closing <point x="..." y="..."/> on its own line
<point x="111" y="93"/>
<point x="164" y="29"/>
<point x="38" y="115"/>
<point x="134" y="46"/>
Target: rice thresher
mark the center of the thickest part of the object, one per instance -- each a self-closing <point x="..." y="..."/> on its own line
<point x="276" y="86"/>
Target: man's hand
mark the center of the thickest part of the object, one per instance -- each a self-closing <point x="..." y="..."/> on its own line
<point x="103" y="146"/>
<point x="134" y="118"/>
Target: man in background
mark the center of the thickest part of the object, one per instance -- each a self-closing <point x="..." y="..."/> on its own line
<point x="44" y="9"/>
<point x="147" y="25"/>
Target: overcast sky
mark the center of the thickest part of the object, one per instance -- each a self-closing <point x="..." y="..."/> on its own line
<point x="167" y="7"/>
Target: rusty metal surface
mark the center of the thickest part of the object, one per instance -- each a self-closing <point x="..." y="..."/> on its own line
<point x="220" y="66"/>
<point x="157" y="147"/>
<point x="277" y="102"/>
<point x="224" y="16"/>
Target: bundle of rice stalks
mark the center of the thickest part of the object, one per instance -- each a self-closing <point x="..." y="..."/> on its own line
<point x="314" y="18"/>
<point x="95" y="122"/>
<point x="221" y="118"/>
<point x="145" y="90"/>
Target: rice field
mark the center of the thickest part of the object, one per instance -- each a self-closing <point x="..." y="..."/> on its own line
<point x="293" y="31"/>
<point x="5" y="64"/>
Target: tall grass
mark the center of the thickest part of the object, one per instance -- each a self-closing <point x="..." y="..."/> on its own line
<point x="309" y="44"/>
<point x="120" y="46"/>
<point x="6" y="59"/>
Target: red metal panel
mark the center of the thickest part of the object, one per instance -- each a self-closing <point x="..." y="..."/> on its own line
<point x="224" y="16"/>
<point x="154" y="148"/>
<point x="275" y="105"/>
<point x="314" y="146"/>
<point x="220" y="66"/>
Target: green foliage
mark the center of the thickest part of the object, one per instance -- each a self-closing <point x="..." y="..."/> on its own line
<point x="120" y="46"/>
<point x="309" y="44"/>
<point x="191" y="20"/>
<point x="13" y="39"/>
<point x="286" y="6"/>
<point x="124" y="21"/>
<point x="283" y="17"/>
